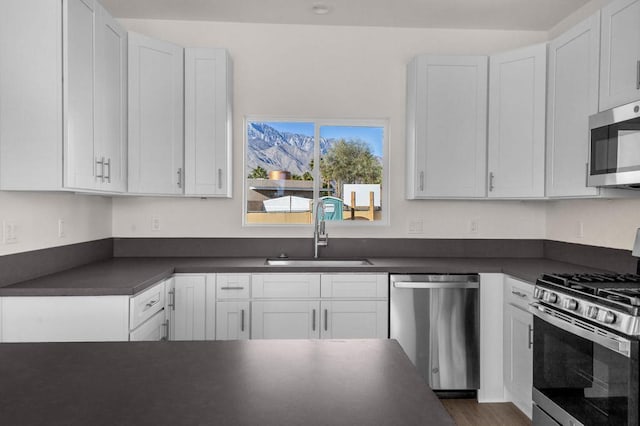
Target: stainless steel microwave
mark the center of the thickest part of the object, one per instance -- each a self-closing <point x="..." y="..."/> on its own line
<point x="614" y="151"/>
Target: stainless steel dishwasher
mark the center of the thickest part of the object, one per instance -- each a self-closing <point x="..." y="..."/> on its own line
<point x="436" y="320"/>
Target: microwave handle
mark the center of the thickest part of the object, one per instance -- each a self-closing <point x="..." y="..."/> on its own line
<point x="586" y="174"/>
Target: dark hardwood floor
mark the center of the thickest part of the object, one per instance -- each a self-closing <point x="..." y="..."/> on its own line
<point x="467" y="412"/>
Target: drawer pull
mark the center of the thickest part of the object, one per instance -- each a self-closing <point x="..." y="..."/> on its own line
<point x="231" y="288"/>
<point x="326" y="319"/>
<point x="242" y="320"/>
<point x="150" y="304"/>
<point x="519" y="294"/>
<point x="313" y="320"/>
<point x="172" y="300"/>
<point x="166" y="335"/>
<point x="530" y="343"/>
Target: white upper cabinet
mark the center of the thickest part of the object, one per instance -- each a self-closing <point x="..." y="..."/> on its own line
<point x="156" y="105"/>
<point x="572" y="96"/>
<point x="111" y="101"/>
<point x="71" y="58"/>
<point x="517" y="86"/>
<point x="207" y="85"/>
<point x="446" y="126"/>
<point x="620" y="50"/>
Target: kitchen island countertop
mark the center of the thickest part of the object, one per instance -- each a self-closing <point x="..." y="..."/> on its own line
<point x="128" y="276"/>
<point x="266" y="382"/>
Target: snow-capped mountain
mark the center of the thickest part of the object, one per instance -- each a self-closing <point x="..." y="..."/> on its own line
<point x="275" y="150"/>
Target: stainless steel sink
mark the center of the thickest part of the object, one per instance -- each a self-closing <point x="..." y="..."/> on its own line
<point x="318" y="262"/>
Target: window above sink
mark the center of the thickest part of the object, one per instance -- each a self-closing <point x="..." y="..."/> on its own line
<point x="282" y="183"/>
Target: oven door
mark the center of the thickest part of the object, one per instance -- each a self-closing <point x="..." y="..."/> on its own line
<point x="583" y="374"/>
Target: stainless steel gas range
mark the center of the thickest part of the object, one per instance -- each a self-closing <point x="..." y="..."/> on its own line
<point x="585" y="351"/>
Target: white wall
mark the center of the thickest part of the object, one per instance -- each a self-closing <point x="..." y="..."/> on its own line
<point x="327" y="72"/>
<point x="86" y="218"/>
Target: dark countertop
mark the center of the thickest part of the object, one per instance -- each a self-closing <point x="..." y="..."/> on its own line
<point x="128" y="276"/>
<point x="266" y="382"/>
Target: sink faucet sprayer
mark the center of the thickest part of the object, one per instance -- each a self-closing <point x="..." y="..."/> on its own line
<point x="320" y="237"/>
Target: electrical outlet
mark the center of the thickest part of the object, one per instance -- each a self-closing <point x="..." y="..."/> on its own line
<point x="473" y="227"/>
<point x="10" y="232"/>
<point x="155" y="223"/>
<point x="61" y="229"/>
<point x="416" y="226"/>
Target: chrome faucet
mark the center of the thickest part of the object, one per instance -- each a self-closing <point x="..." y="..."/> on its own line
<point x="320" y="237"/>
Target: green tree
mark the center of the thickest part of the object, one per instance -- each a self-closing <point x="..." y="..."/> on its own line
<point x="258" y="173"/>
<point x="350" y="162"/>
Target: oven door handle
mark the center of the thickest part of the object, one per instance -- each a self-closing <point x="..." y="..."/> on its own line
<point x="614" y="342"/>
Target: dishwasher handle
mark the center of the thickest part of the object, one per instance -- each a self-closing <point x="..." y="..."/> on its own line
<point x="439" y="284"/>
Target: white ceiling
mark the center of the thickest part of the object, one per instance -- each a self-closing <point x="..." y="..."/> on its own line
<point x="538" y="15"/>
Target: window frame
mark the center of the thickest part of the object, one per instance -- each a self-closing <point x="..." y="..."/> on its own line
<point x="318" y="123"/>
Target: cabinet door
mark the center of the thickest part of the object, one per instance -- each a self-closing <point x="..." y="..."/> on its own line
<point x="111" y="101"/>
<point x="620" y="50"/>
<point x="156" y="104"/>
<point x="153" y="330"/>
<point x="80" y="160"/>
<point x="284" y="286"/>
<point x="517" y="82"/>
<point x="574" y="61"/>
<point x="207" y="122"/>
<point x="446" y="126"/>
<point x="354" y="319"/>
<point x="188" y="317"/>
<point x="289" y="319"/>
<point x="31" y="69"/>
<point x="518" y="365"/>
<point x="232" y="320"/>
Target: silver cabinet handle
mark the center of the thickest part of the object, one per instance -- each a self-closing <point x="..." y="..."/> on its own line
<point x="638" y="75"/>
<point x="519" y="294"/>
<point x="530" y="344"/>
<point x="439" y="284"/>
<point x="166" y="333"/>
<point x="491" y="181"/>
<point x="180" y="177"/>
<point x="421" y="181"/>
<point x="219" y="178"/>
<point x="108" y="165"/>
<point x="150" y="304"/>
<point x="242" y="320"/>
<point x="326" y="319"/>
<point x="231" y="288"/>
<point x="101" y="164"/>
<point x="172" y="299"/>
<point x="313" y="320"/>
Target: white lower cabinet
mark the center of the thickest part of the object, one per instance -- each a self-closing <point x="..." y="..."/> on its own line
<point x="285" y="319"/>
<point x="312" y="306"/>
<point x="354" y="319"/>
<point x="153" y="329"/>
<point x="233" y="320"/>
<point x="65" y="319"/>
<point x="189" y="309"/>
<point x="518" y="344"/>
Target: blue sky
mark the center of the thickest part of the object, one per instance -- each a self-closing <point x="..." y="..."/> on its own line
<point x="371" y="135"/>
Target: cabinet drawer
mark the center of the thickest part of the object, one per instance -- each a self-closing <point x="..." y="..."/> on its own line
<point x="144" y="305"/>
<point x="285" y="286"/>
<point x="232" y="286"/>
<point x="518" y="293"/>
<point x="153" y="330"/>
<point x="359" y="286"/>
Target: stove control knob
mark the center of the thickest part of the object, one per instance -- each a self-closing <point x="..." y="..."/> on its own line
<point x="537" y="293"/>
<point x="570" y="304"/>
<point x="592" y="312"/>
<point x="550" y="297"/>
<point x="607" y="317"/>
